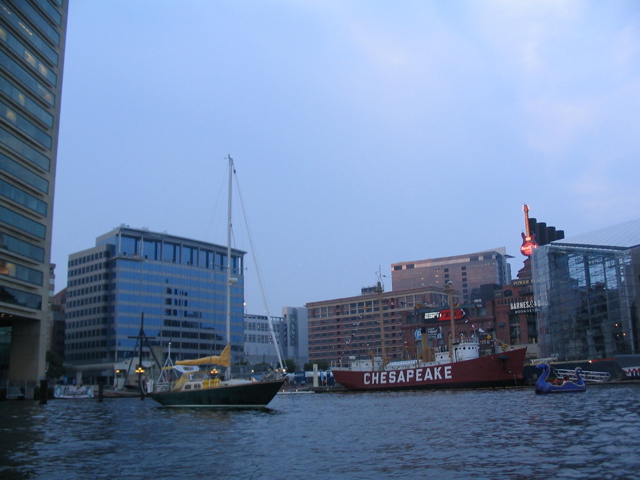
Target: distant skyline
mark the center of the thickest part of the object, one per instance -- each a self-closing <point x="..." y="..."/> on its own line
<point x="363" y="133"/>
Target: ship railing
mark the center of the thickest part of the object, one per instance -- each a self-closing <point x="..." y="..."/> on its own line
<point x="17" y="389"/>
<point x="471" y="339"/>
<point x="587" y="375"/>
<point x="538" y="361"/>
<point x="161" y="387"/>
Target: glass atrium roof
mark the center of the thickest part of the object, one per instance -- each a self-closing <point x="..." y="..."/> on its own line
<point x="624" y="235"/>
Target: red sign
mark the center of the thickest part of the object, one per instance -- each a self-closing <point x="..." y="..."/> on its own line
<point x="527" y="248"/>
<point x="445" y="315"/>
<point x="528" y="239"/>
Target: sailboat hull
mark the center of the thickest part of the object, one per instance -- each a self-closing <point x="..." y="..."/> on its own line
<point x="247" y="395"/>
<point x="499" y="370"/>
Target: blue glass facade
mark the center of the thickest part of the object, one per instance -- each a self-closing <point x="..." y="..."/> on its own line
<point x="586" y="294"/>
<point x="32" y="43"/>
<point x="178" y="284"/>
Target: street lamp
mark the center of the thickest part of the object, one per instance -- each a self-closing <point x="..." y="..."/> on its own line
<point x="140" y="371"/>
<point x="116" y="381"/>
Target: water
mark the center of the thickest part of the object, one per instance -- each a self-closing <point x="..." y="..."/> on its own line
<point x="482" y="434"/>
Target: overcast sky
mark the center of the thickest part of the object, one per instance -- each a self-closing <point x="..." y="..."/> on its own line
<point x="364" y="133"/>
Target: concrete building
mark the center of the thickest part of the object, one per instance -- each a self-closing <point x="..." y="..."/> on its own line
<point x="32" y="45"/>
<point x="58" y="336"/>
<point x="291" y="331"/>
<point x="258" y="341"/>
<point x="512" y="306"/>
<point x="295" y="338"/>
<point x="587" y="294"/>
<point x="351" y="326"/>
<point x="467" y="272"/>
<point x="178" y="284"/>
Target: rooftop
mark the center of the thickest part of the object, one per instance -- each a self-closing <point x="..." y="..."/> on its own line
<point x="623" y="235"/>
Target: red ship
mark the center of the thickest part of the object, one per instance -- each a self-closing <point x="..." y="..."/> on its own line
<point x="467" y="370"/>
<point x="457" y="365"/>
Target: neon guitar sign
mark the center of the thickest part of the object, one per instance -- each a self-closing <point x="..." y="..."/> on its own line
<point x="528" y="240"/>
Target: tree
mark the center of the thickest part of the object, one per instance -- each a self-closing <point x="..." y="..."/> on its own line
<point x="290" y="365"/>
<point x="55" y="365"/>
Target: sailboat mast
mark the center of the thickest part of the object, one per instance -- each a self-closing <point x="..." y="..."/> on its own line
<point x="229" y="218"/>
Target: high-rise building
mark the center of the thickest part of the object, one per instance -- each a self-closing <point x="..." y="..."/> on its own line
<point x="467" y="272"/>
<point x="290" y="330"/>
<point x="178" y="284"/>
<point x="258" y="341"/>
<point x="32" y="41"/>
<point x="58" y="305"/>
<point x="353" y="326"/>
<point x="295" y="338"/>
<point x="586" y="292"/>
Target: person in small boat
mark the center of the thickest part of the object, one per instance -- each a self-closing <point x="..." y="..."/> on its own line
<point x="560" y="381"/>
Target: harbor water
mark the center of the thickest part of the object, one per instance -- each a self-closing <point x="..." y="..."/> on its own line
<point x="479" y="434"/>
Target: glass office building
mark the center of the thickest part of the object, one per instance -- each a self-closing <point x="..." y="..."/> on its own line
<point x="178" y="284"/>
<point x="586" y="294"/>
<point x="32" y="41"/>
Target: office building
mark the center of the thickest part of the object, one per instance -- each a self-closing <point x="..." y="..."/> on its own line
<point x="58" y="337"/>
<point x="351" y="326"/>
<point x="290" y="330"/>
<point x="295" y="338"/>
<point x="177" y="284"/>
<point x="32" y="43"/>
<point x="586" y="293"/>
<point x="467" y="272"/>
<point x="258" y="339"/>
<point x="513" y="305"/>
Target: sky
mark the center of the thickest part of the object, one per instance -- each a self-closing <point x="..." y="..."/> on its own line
<point x="364" y="133"/>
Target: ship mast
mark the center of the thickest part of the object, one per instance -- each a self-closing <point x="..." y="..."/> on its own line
<point x="448" y="288"/>
<point x="230" y="280"/>
<point x="379" y="290"/>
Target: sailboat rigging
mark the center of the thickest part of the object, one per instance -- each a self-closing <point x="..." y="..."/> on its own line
<point x="252" y="250"/>
<point x="190" y="386"/>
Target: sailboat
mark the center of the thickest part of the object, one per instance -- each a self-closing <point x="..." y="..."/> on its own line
<point x="187" y="384"/>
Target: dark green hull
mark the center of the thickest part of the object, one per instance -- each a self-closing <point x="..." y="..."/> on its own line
<point x="250" y="395"/>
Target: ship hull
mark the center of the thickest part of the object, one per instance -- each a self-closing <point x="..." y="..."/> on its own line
<point x="249" y="395"/>
<point x="629" y="364"/>
<point x="499" y="370"/>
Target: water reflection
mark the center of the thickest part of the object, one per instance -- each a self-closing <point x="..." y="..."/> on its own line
<point x="462" y="434"/>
